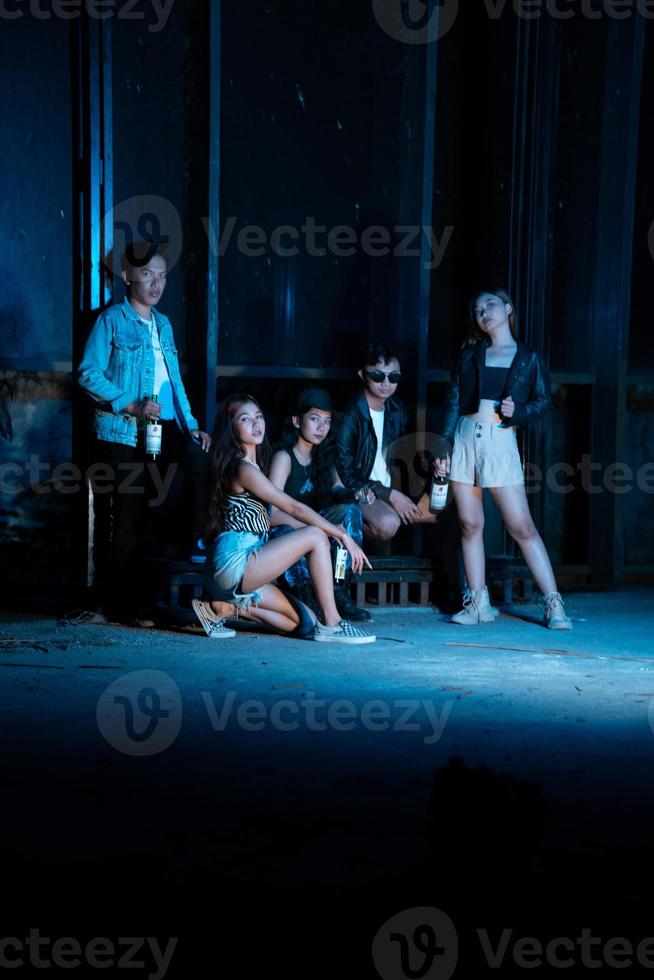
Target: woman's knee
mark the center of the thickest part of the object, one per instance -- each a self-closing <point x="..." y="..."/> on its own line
<point x="317" y="537"/>
<point x="523" y="530"/>
<point x="471" y="527"/>
<point x="388" y="527"/>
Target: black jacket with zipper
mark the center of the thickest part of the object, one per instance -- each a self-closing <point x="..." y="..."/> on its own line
<point x="527" y="382"/>
<point x="356" y="443"/>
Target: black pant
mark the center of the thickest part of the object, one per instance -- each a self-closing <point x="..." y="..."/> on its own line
<point x="133" y="495"/>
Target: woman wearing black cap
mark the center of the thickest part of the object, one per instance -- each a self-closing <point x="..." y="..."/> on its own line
<point x="304" y="467"/>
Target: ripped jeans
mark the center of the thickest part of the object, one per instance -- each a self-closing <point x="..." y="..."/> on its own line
<point x="349" y="515"/>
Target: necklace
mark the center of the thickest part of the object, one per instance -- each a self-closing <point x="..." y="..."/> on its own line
<point x="305" y="466"/>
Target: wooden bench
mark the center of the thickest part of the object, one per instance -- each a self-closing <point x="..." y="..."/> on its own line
<point x="396" y="580"/>
<point x="177" y="583"/>
<point x="510" y="571"/>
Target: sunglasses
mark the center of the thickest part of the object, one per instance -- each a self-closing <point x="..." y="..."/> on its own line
<point x="378" y="376"/>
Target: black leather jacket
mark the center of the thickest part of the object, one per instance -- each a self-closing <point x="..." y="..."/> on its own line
<point x="356" y="443"/>
<point x="527" y="382"/>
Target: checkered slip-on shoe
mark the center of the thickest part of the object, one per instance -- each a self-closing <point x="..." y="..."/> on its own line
<point x="214" y="628"/>
<point x="343" y="633"/>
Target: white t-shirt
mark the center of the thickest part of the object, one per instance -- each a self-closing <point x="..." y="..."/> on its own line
<point x="161" y="386"/>
<point x="379" y="468"/>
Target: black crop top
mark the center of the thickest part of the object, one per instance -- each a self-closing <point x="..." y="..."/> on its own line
<point x="299" y="484"/>
<point x="493" y="383"/>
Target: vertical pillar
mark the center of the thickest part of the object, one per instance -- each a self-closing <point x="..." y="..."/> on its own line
<point x="534" y="164"/>
<point x="609" y="314"/>
<point x="212" y="329"/>
<point x="92" y="201"/>
<point x="415" y="208"/>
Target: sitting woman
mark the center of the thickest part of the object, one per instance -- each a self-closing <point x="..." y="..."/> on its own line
<point x="498" y="384"/>
<point x="305" y="468"/>
<point x="241" y="561"/>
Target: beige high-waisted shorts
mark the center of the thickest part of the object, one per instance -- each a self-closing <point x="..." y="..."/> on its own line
<point x="485" y="455"/>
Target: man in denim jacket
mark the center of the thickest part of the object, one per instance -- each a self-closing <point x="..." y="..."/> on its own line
<point x="129" y="357"/>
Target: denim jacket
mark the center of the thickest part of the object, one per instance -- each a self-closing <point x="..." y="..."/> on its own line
<point x="118" y="368"/>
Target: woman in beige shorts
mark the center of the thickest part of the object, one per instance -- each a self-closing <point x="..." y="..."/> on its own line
<point x="498" y="384"/>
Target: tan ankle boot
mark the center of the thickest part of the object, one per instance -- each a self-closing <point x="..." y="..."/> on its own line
<point x="555" y="617"/>
<point x="486" y="603"/>
<point x="476" y="609"/>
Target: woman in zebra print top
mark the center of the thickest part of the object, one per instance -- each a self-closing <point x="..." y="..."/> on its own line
<point x="242" y="561"/>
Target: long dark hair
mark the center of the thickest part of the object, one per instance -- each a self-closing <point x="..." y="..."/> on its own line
<point x="475" y="335"/>
<point x="225" y="455"/>
<point x="322" y="465"/>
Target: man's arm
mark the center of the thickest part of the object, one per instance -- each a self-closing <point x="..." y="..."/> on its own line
<point x="95" y="361"/>
<point x="347" y="440"/>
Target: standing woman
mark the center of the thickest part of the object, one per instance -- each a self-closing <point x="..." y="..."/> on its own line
<point x="498" y="384"/>
<point x="242" y="563"/>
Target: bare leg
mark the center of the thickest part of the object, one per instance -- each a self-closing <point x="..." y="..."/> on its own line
<point x="278" y="555"/>
<point x="274" y="610"/>
<point x="380" y="520"/>
<point x="471" y="515"/>
<point x="512" y="505"/>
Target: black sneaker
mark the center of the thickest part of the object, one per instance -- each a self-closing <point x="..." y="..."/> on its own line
<point x="349" y="609"/>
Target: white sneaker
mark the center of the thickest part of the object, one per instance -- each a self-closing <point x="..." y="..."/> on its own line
<point x="211" y="624"/>
<point x="343" y="633"/>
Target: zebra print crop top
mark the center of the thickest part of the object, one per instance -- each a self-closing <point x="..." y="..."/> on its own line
<point x="245" y="512"/>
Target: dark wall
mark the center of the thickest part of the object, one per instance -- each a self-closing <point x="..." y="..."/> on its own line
<point x="36" y="294"/>
<point x="321" y="118"/>
<point x="310" y="120"/>
<point x="36" y="198"/>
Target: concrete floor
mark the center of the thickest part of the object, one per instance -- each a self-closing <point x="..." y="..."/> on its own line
<point x="284" y="832"/>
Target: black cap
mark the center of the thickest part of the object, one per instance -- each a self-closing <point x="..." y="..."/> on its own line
<point x="313" y="398"/>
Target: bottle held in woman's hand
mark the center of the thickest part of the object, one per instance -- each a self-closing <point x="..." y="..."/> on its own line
<point x="438" y="495"/>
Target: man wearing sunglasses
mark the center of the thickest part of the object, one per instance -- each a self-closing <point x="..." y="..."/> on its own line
<point x="374" y="421"/>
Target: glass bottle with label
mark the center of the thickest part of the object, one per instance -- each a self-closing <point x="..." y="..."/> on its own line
<point x="153" y="431"/>
<point x="438" y="495"/>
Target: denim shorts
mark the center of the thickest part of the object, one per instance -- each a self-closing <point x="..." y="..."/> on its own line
<point x="226" y="561"/>
<point x="486" y="455"/>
